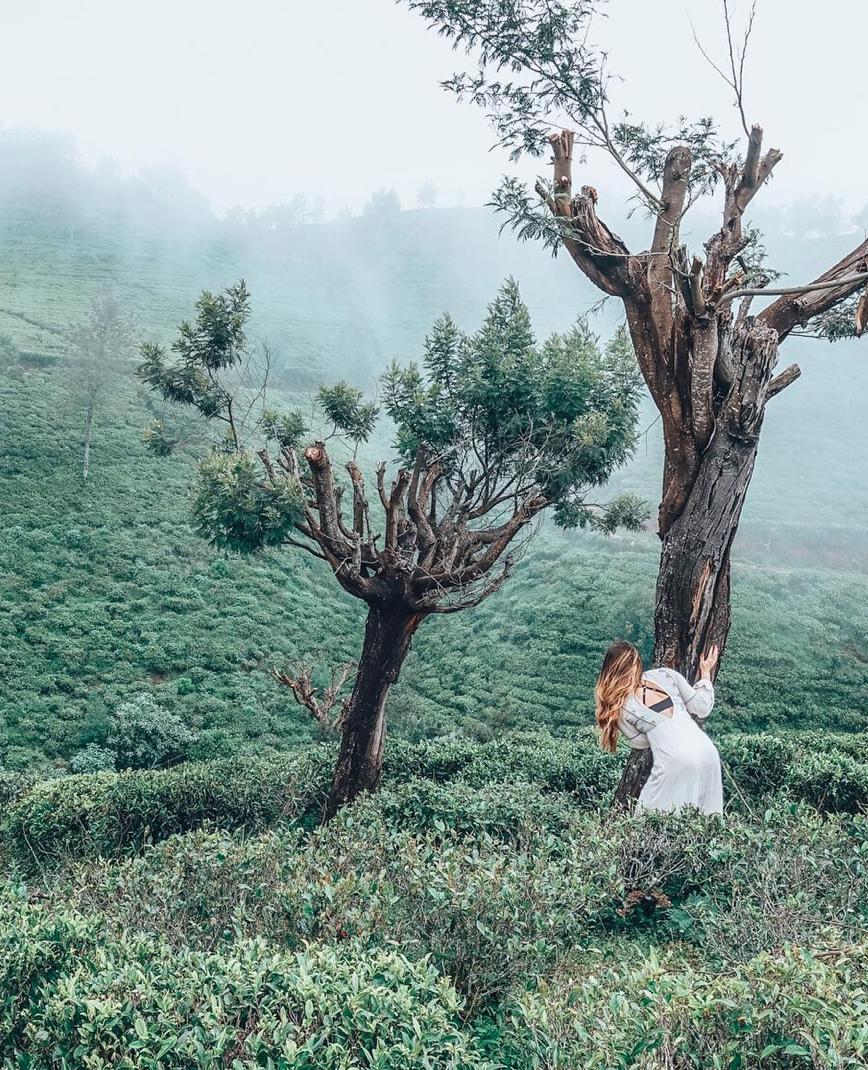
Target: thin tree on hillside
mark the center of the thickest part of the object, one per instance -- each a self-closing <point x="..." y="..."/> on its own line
<point x="492" y="430"/>
<point x="709" y="362"/>
<point x="102" y="352"/>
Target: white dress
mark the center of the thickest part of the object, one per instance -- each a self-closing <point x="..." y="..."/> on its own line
<point x="686" y="770"/>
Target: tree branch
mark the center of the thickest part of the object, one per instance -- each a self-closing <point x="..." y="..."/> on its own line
<point x="305" y="694"/>
<point x="599" y="253"/>
<point x="808" y="287"/>
<point x="470" y="603"/>
<point x="676" y="174"/>
<point x="782" y="381"/>
<point x="393" y="508"/>
<point x="843" y="279"/>
<point x="325" y="490"/>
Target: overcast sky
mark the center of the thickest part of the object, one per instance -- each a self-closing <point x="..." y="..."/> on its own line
<point x="258" y="100"/>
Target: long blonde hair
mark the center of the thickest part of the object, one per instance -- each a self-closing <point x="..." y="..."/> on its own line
<point x="619" y="678"/>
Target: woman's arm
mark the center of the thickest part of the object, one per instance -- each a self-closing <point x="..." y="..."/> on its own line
<point x="699" y="700"/>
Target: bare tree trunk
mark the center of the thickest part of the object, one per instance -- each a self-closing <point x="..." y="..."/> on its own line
<point x="388" y="637"/>
<point x="88" y="429"/>
<point x="693" y="607"/>
<point x="636" y="773"/>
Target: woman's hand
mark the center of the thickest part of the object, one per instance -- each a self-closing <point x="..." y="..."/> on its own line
<point x="708" y="661"/>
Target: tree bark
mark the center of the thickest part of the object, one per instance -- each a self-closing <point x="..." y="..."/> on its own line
<point x="693" y="609"/>
<point x="636" y="772"/>
<point x="388" y="638"/>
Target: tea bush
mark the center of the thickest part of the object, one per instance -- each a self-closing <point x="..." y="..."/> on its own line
<point x="493" y="911"/>
<point x="831" y="782"/>
<point x="499" y="810"/>
<point x="145" y="735"/>
<point x="68" y="998"/>
<point x="577" y="765"/>
<point x="115" y="813"/>
<point x="777" y="1012"/>
<point x="468" y="787"/>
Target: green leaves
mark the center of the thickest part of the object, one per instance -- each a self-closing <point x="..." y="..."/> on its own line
<point x="286" y="429"/>
<point x="344" y="406"/>
<point x="236" y="509"/>
<point x="213" y="343"/>
<point x="645" y="148"/>
<point x="136" y="1003"/>
<point x="216" y="339"/>
<point x="533" y="60"/>
<point x="838" y="323"/>
<point x="560" y="416"/>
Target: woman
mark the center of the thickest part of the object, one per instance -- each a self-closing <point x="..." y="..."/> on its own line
<point x="656" y="709"/>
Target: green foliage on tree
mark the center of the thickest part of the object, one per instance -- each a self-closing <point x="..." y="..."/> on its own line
<point x="93" y="759"/>
<point x="496" y="401"/>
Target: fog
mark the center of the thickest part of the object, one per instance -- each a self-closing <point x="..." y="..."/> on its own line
<point x="258" y="102"/>
<point x="141" y="147"/>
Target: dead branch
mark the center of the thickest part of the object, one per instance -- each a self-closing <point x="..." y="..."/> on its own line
<point x="300" y="682"/>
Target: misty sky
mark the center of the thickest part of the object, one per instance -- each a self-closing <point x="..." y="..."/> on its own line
<point x="259" y="100"/>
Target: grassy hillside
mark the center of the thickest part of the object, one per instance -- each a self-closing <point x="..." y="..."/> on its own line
<point x="107" y="592"/>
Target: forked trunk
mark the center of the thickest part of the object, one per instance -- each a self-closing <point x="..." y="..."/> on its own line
<point x="388" y="637"/>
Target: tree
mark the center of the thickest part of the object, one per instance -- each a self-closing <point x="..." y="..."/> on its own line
<point x="383" y="202"/>
<point x="491" y="431"/>
<point x="709" y="364"/>
<point x="102" y="351"/>
<point x="427" y="195"/>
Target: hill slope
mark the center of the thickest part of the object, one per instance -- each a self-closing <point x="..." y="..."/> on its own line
<point x="107" y="592"/>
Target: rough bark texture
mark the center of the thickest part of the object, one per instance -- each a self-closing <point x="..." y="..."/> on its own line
<point x="388" y="637"/>
<point x="703" y="497"/>
<point x="636" y="772"/>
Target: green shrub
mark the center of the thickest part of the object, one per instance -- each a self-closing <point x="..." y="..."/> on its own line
<point x="145" y="735"/>
<point x="836" y="783"/>
<point x="37" y="947"/>
<point x="13" y="784"/>
<point x="853" y="744"/>
<point x="136" y="1003"/>
<point x="577" y="765"/>
<point x="498" y="810"/>
<point x="758" y="762"/>
<point x="494" y="911"/>
<point x="778" y="1012"/>
<point x="116" y="813"/>
<point x="439" y="759"/>
<point x="93" y="759"/>
<point x="196" y="889"/>
<point x="764" y="763"/>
